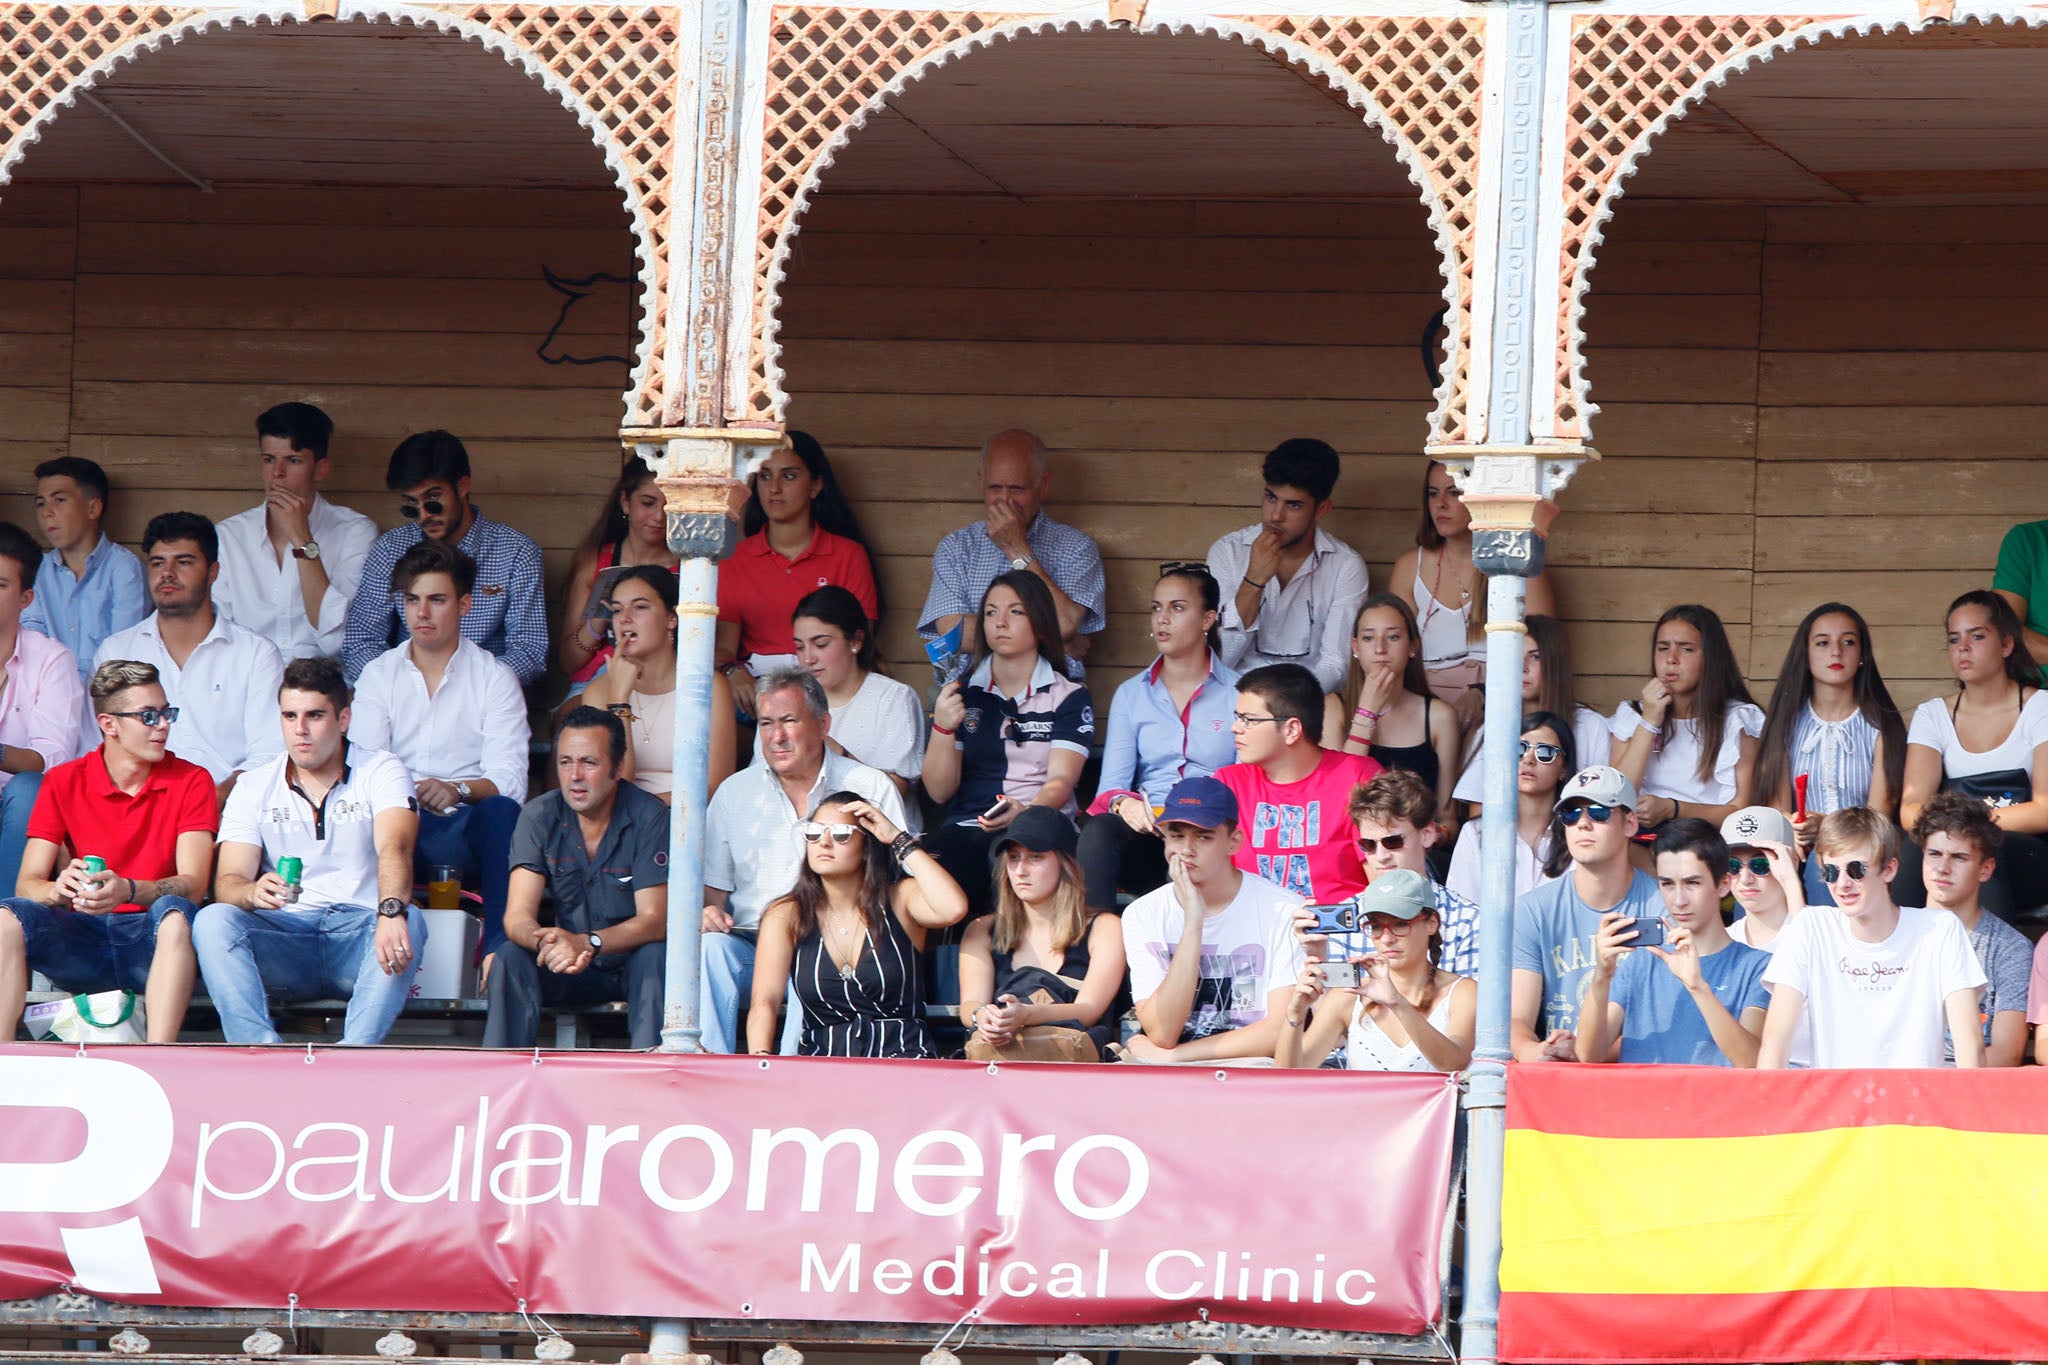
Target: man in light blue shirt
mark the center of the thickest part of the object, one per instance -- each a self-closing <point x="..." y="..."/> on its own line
<point x="88" y="587"/>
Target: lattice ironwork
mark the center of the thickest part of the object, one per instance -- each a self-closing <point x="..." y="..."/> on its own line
<point x="45" y="48"/>
<point x="1628" y="72"/>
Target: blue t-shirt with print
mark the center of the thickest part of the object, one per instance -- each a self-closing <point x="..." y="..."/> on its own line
<point x="1660" y="1021"/>
<point x="1554" y="933"/>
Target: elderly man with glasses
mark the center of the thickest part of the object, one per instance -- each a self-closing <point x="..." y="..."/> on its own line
<point x="119" y="843"/>
<point x="430" y="474"/>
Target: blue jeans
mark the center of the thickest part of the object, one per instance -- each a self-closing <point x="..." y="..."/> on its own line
<point x="476" y="841"/>
<point x="86" y="953"/>
<point x="519" y="990"/>
<point x="726" y="966"/>
<point x="302" y="955"/>
<point x="17" y="798"/>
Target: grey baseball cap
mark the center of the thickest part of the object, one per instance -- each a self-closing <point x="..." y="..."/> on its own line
<point x="1399" y="894"/>
<point x="1757" y="824"/>
<point x="1600" y="785"/>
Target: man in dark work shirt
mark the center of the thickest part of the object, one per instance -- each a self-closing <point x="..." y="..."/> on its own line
<point x="601" y="845"/>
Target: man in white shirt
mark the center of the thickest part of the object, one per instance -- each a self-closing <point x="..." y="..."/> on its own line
<point x="340" y="923"/>
<point x="1213" y="954"/>
<point x="454" y="715"/>
<point x="220" y="678"/>
<point x="290" y="564"/>
<point x="1879" y="983"/>
<point x="751" y="848"/>
<point x="1290" y="589"/>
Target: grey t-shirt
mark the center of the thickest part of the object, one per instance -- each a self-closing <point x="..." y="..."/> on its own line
<point x="1554" y="933"/>
<point x="2008" y="959"/>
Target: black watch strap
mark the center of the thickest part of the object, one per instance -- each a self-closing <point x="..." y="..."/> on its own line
<point x="391" y="907"/>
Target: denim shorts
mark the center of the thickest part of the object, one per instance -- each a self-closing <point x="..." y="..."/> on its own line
<point x="85" y="953"/>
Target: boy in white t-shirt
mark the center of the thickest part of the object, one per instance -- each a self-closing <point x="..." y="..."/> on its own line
<point x="1213" y="955"/>
<point x="1879" y="983"/>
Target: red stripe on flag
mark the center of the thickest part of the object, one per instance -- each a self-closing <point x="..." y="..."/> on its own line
<point x="1801" y="1325"/>
<point x="1704" y="1101"/>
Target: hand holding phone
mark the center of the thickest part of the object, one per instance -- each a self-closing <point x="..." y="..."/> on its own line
<point x="1340" y="976"/>
<point x="1341" y="918"/>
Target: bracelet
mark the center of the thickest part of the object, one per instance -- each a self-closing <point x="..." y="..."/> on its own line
<point x="940" y="729"/>
<point x="134" y="892"/>
<point x="903" y="845"/>
<point x="1260" y="586"/>
<point x="1368" y="713"/>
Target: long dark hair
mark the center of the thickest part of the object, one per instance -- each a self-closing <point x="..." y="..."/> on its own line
<point x="809" y="891"/>
<point x="1426" y="534"/>
<point x="1794" y="689"/>
<point x="1721" y="684"/>
<point x="1414" y="677"/>
<point x="1038" y="609"/>
<point x="838" y="608"/>
<point x="2019" y="663"/>
<point x="612" y="523"/>
<point x="1207" y="589"/>
<point x="1554" y="857"/>
<point x="1556" y="688"/>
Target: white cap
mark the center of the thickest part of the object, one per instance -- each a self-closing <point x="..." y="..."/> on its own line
<point x="1753" y="825"/>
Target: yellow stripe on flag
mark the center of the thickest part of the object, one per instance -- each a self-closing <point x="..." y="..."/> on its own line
<point x="1841" y="1208"/>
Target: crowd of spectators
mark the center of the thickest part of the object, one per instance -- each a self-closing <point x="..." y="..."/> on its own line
<point x="236" y="759"/>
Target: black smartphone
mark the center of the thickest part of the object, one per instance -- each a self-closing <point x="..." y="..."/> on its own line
<point x="1341" y="918"/>
<point x="1649" y="934"/>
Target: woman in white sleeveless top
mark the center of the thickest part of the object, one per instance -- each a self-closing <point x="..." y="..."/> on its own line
<point x="1405" y="1014"/>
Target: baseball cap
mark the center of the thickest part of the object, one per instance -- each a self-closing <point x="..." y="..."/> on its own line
<point x="1757" y="824"/>
<point x="1038" y="828"/>
<point x="1601" y="785"/>
<point x="1200" y="801"/>
<point x="1400" y="894"/>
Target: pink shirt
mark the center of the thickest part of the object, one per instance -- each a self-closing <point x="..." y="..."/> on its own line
<point x="1298" y="835"/>
<point x="42" y="704"/>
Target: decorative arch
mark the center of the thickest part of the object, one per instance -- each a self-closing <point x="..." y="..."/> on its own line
<point x="613" y="68"/>
<point x="1415" y="80"/>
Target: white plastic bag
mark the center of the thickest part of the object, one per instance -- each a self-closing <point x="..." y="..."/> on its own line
<point x="104" y="1017"/>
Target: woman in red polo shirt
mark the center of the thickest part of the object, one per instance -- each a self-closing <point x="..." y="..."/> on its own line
<point x="801" y="535"/>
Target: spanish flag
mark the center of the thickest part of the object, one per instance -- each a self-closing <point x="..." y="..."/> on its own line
<point x="1677" y="1213"/>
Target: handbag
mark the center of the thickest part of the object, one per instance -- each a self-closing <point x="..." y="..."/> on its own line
<point x="1038" y="1042"/>
<point x="103" y="1017"/>
<point x="2010" y="787"/>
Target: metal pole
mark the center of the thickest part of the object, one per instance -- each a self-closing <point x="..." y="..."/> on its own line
<point x="696" y="627"/>
<point x="1509" y="558"/>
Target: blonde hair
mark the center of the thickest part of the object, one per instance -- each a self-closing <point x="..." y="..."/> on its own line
<point x="1857" y="827"/>
<point x="116" y="676"/>
<point x="1069" y="908"/>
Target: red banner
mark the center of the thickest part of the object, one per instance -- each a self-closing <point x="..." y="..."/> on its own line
<point x="723" y="1187"/>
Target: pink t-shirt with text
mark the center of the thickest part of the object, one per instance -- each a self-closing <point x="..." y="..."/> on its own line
<point x="1298" y="835"/>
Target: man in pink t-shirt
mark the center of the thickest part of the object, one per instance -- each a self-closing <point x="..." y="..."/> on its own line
<point x="1294" y="793"/>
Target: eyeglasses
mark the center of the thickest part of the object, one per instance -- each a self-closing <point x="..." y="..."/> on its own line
<point x="1388" y="928"/>
<point x="813" y="831"/>
<point x="1856" y="870"/>
<point x="1180" y="566"/>
<point x="1599" y="815"/>
<point x="1241" y="718"/>
<point x="1393" y="843"/>
<point x="1545" y="753"/>
<point x="432" y="507"/>
<point x="151" y="716"/>
<point x="1760" y="866"/>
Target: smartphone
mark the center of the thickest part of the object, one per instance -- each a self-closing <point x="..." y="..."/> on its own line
<point x="1649" y="934"/>
<point x="1002" y="804"/>
<point x="1340" y="976"/>
<point x="1335" y="919"/>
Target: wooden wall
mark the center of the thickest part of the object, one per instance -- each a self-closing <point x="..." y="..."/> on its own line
<point x="146" y="327"/>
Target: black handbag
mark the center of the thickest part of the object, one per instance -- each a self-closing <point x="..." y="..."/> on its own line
<point x="2009" y="787"/>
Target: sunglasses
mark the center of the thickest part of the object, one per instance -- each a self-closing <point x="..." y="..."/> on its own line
<point x="1011" y="733"/>
<point x="1393" y="843"/>
<point x="1759" y="865"/>
<point x="813" y="831"/>
<point x="432" y="507"/>
<point x="1599" y="815"/>
<point x="1855" y="869"/>
<point x="151" y="716"/>
<point x="1545" y="753"/>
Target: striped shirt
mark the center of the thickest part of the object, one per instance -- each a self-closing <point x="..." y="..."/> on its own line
<point x="967" y="561"/>
<point x="507" y="613"/>
<point x="875" y="1011"/>
<point x="1836" y="757"/>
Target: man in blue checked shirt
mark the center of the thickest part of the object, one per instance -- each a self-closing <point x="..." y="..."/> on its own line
<point x="508" y="614"/>
<point x="1018" y="535"/>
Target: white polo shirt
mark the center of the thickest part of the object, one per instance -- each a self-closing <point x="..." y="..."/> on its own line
<point x="751" y="845"/>
<point x="475" y="726"/>
<point x="337" y="840"/>
<point x="260" y="593"/>
<point x="226" y="693"/>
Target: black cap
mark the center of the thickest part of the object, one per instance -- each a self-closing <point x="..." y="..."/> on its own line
<point x="1038" y="828"/>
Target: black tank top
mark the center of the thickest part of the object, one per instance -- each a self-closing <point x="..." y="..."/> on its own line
<point x="1419" y="759"/>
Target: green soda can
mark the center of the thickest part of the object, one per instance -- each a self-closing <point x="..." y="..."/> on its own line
<point x="292" y="870"/>
<point x="95" y="864"/>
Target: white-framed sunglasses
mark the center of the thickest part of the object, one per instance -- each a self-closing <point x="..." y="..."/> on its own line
<point x="813" y="831"/>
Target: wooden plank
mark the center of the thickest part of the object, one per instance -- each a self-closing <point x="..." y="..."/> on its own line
<point x="1636" y="483"/>
<point x="1649" y="220"/>
<point x="35" y="414"/>
<point x="539" y="517"/>
<point x="353" y="206"/>
<point x="38" y="253"/>
<point x="476" y="252"/>
<point x="1589" y="594"/>
<point x="1673" y="374"/>
<point x="1004" y="215"/>
<point x="29" y="360"/>
<point x="1244" y="265"/>
<point x="1886" y="598"/>
<point x="1706" y="320"/>
<point x="2010" y="490"/>
<point x="1989" y="323"/>
<point x="1648" y="540"/>
<point x="1975" y="226"/>
<point x="211" y="356"/>
<point x="1945" y="541"/>
<point x="1901" y="270"/>
<point x="200" y="409"/>
<point x="567" y="468"/>
<point x="38" y="206"/>
<point x="524" y="307"/>
<point x="1717" y="431"/>
<point x="1622" y="648"/>
<point x="1891" y="378"/>
<point x="1680" y="267"/>
<point x="1088" y="477"/>
<point x="38" y="306"/>
<point x="1920" y="432"/>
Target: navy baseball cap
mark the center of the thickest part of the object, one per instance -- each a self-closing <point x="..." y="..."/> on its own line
<point x="1200" y="801"/>
<point x="1038" y="828"/>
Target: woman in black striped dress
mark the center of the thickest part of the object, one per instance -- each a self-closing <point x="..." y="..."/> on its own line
<point x="847" y="939"/>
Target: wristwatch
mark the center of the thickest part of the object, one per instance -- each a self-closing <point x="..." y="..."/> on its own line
<point x="310" y="550"/>
<point x="596" y="943"/>
<point x="391" y="907"/>
<point x="462" y="790"/>
<point x="1021" y="563"/>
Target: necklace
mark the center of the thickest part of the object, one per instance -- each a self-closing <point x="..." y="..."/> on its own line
<point x="842" y="931"/>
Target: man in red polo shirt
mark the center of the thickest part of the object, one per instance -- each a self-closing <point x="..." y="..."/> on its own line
<point x="150" y="817"/>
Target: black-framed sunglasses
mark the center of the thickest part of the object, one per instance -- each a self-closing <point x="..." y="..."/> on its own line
<point x="151" y="716"/>
<point x="1545" y="753"/>
<point x="1855" y="869"/>
<point x="1757" y="864"/>
<point x="1012" y="732"/>
<point x="1598" y="814"/>
<point x="1393" y="843"/>
<point x="432" y="507"/>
